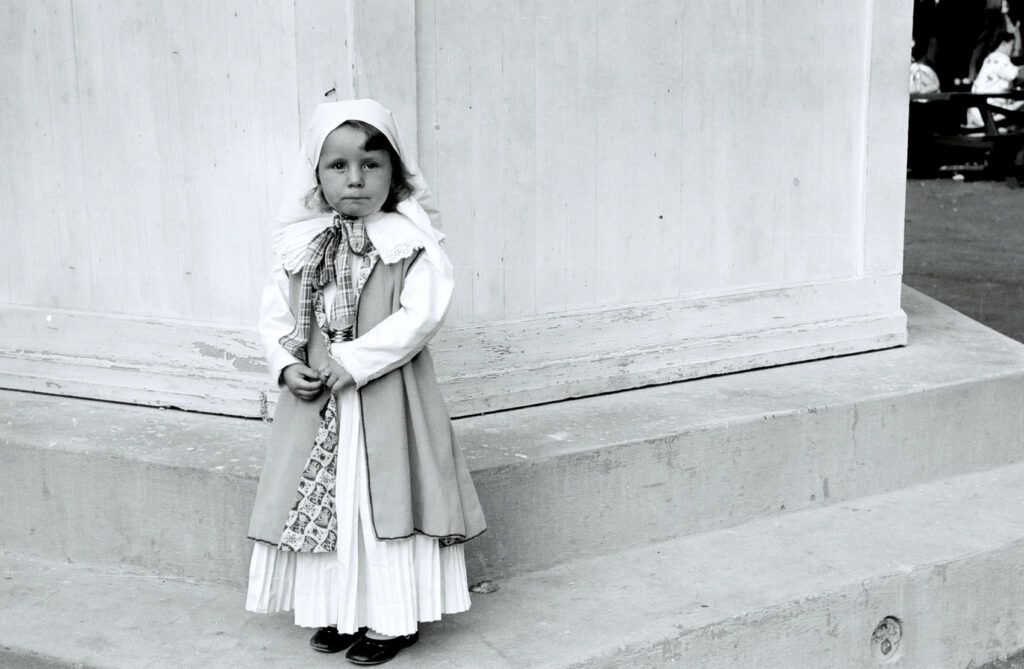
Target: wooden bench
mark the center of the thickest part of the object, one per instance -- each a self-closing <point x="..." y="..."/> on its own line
<point x="940" y="140"/>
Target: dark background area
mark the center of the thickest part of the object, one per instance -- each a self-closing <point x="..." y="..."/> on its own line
<point x="964" y="244"/>
<point x="953" y="35"/>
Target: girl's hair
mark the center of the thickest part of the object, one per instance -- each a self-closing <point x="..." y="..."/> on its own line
<point x="375" y="141"/>
<point x="1000" y="37"/>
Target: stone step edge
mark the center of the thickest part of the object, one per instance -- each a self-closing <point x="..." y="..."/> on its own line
<point x="803" y="589"/>
<point x="515" y="438"/>
<point x="555" y="480"/>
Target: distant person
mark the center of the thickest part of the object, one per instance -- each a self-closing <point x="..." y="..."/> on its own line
<point x="998" y="19"/>
<point x="923" y="78"/>
<point x="998" y="74"/>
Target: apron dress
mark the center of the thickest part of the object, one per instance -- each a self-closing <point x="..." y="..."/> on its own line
<point x="337" y="573"/>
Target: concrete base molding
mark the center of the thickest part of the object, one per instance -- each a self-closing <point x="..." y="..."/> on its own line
<point x="481" y="368"/>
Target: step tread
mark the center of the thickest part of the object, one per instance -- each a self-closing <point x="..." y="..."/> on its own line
<point x="234" y="446"/>
<point x="587" y="612"/>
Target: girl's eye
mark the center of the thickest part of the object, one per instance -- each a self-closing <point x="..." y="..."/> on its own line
<point x="338" y="166"/>
<point x="370" y="166"/>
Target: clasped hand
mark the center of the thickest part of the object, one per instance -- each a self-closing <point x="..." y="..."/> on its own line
<point x="307" y="383"/>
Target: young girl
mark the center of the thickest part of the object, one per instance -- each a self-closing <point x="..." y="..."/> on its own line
<point x="364" y="500"/>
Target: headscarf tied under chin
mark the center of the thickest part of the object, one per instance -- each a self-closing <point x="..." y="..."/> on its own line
<point x="308" y="238"/>
<point x="328" y="116"/>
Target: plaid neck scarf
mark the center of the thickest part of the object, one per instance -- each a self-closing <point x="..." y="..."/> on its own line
<point x="321" y="265"/>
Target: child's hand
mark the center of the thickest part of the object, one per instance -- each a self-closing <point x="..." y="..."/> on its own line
<point x="334" y="376"/>
<point x="303" y="382"/>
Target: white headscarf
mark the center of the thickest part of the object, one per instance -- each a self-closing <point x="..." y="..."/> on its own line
<point x="395" y="236"/>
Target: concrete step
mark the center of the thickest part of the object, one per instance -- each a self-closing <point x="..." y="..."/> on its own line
<point x="169" y="492"/>
<point x="803" y="589"/>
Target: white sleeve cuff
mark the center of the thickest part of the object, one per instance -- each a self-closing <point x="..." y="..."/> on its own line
<point x="277" y="360"/>
<point x="347" y="359"/>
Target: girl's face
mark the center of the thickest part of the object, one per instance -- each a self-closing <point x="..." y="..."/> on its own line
<point x="355" y="182"/>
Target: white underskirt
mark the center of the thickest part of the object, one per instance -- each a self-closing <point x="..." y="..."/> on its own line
<point x="388" y="586"/>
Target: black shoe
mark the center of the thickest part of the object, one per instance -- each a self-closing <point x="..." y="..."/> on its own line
<point x="379" y="651"/>
<point x="328" y="640"/>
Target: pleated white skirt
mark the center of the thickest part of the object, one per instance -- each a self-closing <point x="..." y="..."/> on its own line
<point x="388" y="586"/>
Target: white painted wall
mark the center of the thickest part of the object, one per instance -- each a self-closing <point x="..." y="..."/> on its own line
<point x="724" y="175"/>
<point x="144" y="146"/>
<point x="651" y="150"/>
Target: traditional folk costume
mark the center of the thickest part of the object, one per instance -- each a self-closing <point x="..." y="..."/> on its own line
<point x="364" y="499"/>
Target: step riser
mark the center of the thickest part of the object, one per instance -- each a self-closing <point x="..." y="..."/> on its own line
<point x="173" y="521"/>
<point x="802" y="589"/>
<point x="953" y="615"/>
<point x="191" y="523"/>
<point x="654" y="490"/>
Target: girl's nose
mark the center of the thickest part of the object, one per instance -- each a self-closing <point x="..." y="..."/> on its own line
<point x="355" y="179"/>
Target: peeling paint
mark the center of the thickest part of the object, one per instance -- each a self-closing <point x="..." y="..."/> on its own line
<point x="209" y="351"/>
<point x="253" y="364"/>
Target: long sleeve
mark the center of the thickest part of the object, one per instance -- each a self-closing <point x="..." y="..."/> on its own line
<point x="276" y="320"/>
<point x="426" y="294"/>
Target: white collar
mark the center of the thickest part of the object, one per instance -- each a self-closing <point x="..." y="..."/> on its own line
<point x="393" y="235"/>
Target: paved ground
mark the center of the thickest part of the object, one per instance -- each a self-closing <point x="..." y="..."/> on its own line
<point x="964" y="246"/>
<point x="1015" y="662"/>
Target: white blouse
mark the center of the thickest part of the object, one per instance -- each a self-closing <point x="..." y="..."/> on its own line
<point x="426" y="295"/>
